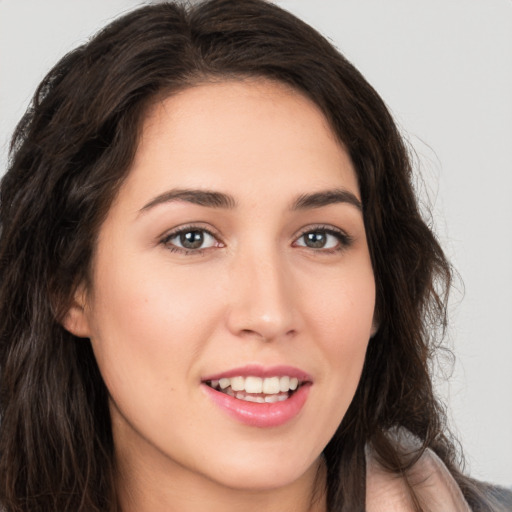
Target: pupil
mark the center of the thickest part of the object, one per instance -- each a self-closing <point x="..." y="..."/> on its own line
<point x="316" y="240"/>
<point x="192" y="239"/>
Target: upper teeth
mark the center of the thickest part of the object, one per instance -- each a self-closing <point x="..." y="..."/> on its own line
<point x="268" y="385"/>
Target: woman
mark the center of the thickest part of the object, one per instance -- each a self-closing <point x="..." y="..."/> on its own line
<point x="216" y="287"/>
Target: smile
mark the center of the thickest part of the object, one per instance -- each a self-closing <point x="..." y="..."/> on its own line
<point x="258" y="396"/>
<point x="257" y="389"/>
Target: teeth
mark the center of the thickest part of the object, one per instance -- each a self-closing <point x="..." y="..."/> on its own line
<point x="237" y="383"/>
<point x="270" y="399"/>
<point x="284" y="384"/>
<point x="275" y="398"/>
<point x="272" y="386"/>
<point x="254" y="384"/>
<point x="223" y="383"/>
<point x="249" y="398"/>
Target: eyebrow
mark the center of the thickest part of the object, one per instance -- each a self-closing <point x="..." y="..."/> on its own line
<point x="211" y="199"/>
<point x="326" y="198"/>
<point x="206" y="198"/>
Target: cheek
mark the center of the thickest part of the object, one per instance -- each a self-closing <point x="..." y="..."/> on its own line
<point x="145" y="328"/>
<point x="153" y="300"/>
<point x="146" y="338"/>
<point x="340" y="314"/>
<point x="341" y="307"/>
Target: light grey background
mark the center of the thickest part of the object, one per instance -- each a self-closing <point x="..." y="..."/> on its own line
<point x="444" y="67"/>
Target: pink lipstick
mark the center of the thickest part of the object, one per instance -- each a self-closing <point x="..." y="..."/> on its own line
<point x="259" y="396"/>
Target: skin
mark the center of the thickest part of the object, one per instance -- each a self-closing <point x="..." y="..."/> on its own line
<point x="160" y="318"/>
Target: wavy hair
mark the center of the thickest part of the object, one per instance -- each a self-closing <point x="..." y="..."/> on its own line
<point x="69" y="155"/>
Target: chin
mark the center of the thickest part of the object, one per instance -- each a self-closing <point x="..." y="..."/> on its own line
<point x="250" y="476"/>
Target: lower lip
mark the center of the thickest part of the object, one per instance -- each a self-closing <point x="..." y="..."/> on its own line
<point x="260" y="415"/>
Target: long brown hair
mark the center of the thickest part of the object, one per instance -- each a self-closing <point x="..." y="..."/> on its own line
<point x="69" y="155"/>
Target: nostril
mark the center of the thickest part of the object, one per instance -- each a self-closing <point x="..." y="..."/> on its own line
<point x="267" y="334"/>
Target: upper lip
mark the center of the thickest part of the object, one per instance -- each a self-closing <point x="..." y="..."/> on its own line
<point x="261" y="371"/>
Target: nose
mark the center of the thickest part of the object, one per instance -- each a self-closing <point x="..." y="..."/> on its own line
<point x="262" y="303"/>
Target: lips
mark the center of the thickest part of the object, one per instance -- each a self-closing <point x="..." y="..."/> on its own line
<point x="257" y="396"/>
<point x="257" y="389"/>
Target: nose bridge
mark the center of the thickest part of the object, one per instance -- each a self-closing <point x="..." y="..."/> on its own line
<point x="262" y="302"/>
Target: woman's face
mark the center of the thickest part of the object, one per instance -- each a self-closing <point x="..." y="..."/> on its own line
<point x="233" y="261"/>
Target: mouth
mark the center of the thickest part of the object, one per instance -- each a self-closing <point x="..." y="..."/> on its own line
<point x="257" y="389"/>
<point x="259" y="396"/>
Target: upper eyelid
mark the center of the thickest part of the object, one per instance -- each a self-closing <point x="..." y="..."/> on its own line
<point x="171" y="233"/>
<point x="322" y="227"/>
<point x="165" y="237"/>
<point x="345" y="240"/>
<point x="165" y="240"/>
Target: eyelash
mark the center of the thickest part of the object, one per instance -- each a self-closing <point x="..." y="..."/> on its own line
<point x="343" y="238"/>
<point x="184" y="230"/>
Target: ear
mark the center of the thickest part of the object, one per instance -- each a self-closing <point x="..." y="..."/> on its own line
<point x="76" y="321"/>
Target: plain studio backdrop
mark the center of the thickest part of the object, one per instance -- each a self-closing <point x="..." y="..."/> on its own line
<point x="444" y="67"/>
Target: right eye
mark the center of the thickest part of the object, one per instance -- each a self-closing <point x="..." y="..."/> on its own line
<point x="190" y="239"/>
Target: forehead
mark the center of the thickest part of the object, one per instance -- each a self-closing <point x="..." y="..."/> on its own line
<point x="236" y="135"/>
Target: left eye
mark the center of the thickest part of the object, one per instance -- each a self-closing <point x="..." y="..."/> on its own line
<point x="319" y="239"/>
<point x="191" y="239"/>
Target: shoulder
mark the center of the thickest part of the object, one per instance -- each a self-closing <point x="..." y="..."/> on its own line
<point x="432" y="483"/>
